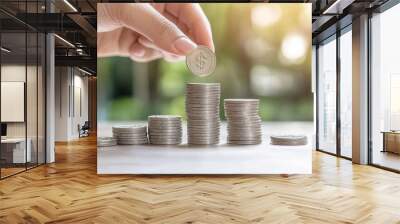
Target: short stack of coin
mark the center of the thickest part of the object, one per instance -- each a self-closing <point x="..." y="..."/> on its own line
<point x="130" y="134"/>
<point x="244" y="121"/>
<point x="289" y="140"/>
<point x="165" y="129"/>
<point x="106" y="141"/>
<point x="202" y="108"/>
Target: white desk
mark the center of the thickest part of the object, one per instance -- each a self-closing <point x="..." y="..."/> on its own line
<point x="221" y="159"/>
<point x="18" y="149"/>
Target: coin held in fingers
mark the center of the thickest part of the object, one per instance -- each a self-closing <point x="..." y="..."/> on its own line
<point x="201" y="61"/>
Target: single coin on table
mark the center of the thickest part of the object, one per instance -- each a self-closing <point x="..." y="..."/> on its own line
<point x="201" y="61"/>
<point x="289" y="140"/>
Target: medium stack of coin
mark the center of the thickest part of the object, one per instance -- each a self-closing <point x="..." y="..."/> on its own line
<point x="106" y="141"/>
<point x="289" y="140"/>
<point x="165" y="129"/>
<point x="244" y="121"/>
<point x="130" y="134"/>
<point x="202" y="108"/>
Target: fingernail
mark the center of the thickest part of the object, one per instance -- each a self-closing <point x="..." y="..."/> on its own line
<point x="139" y="52"/>
<point x="184" y="45"/>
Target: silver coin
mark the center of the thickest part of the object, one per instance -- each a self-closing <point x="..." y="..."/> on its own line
<point x="205" y="102"/>
<point x="132" y="142"/>
<point x="164" y="125"/>
<point x="201" y="61"/>
<point x="289" y="140"/>
<point x="166" y="129"/>
<point x="193" y="85"/>
<point x="207" y="117"/>
<point x="106" y="145"/>
<point x="141" y="130"/>
<point x="164" y="117"/>
<point x="203" y="142"/>
<point x="130" y="136"/>
<point x="165" y="142"/>
<point x="244" y="128"/>
<point x="203" y="135"/>
<point x="203" y="108"/>
<point x="241" y="116"/>
<point x="133" y="133"/>
<point x="130" y="133"/>
<point x="203" y="127"/>
<point x="166" y="121"/>
<point x="166" y="135"/>
<point x="241" y="100"/>
<point x="244" y="123"/>
<point x="243" y="119"/>
<point x="105" y="139"/>
<point x="203" y="92"/>
<point x="128" y="127"/>
<point x="244" y="142"/>
<point x="169" y="120"/>
<point x="245" y="138"/>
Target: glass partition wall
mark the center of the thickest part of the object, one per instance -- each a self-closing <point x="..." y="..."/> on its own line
<point x="334" y="94"/>
<point x="345" y="61"/>
<point x="22" y="77"/>
<point x="385" y="89"/>
<point x="327" y="95"/>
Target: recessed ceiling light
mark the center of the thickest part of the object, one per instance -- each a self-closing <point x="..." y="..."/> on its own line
<point x="64" y="40"/>
<point x="70" y="5"/>
<point x="84" y="71"/>
<point x="5" y="50"/>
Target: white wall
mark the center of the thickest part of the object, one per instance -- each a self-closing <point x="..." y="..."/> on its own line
<point x="70" y="83"/>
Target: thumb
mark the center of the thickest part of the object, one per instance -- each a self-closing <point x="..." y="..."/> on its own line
<point x="146" y="20"/>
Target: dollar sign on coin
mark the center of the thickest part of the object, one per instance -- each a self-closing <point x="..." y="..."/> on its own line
<point x="201" y="61"/>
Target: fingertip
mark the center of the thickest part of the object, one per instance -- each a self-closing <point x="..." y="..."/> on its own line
<point x="139" y="52"/>
<point x="184" y="45"/>
<point x="212" y="47"/>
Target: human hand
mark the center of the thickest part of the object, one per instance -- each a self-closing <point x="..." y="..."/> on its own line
<point x="144" y="31"/>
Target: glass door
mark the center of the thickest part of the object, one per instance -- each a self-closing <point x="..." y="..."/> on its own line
<point x="22" y="77"/>
<point x="346" y="92"/>
<point x="15" y="149"/>
<point x="327" y="95"/>
<point x="385" y="89"/>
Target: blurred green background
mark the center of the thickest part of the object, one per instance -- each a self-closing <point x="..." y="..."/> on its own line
<point x="263" y="51"/>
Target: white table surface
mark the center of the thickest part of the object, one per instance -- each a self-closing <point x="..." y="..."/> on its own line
<point x="19" y="149"/>
<point x="221" y="159"/>
<point x="13" y="140"/>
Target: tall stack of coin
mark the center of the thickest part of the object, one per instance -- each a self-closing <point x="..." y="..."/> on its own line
<point x="165" y="129"/>
<point x="130" y="134"/>
<point x="202" y="108"/>
<point x="244" y="121"/>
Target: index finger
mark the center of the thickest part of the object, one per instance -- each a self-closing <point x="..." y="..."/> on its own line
<point x="194" y="18"/>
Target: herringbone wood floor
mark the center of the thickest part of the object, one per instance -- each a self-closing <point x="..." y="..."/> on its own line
<point x="69" y="191"/>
